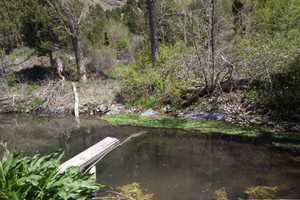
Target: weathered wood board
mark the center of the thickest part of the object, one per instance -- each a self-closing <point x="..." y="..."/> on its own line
<point x="91" y="154"/>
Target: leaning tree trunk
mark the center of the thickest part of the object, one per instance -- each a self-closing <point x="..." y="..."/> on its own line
<point x="73" y="26"/>
<point x="153" y="31"/>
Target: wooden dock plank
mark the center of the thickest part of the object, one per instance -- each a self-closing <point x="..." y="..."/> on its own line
<point x="91" y="154"/>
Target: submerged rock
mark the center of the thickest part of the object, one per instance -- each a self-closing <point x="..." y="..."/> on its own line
<point x="149" y="112"/>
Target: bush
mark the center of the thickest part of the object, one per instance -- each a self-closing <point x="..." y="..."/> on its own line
<point x="280" y="97"/>
<point x="149" y="85"/>
<point x="103" y="60"/>
<point x="118" y="35"/>
<point x="107" y="32"/>
<point x="40" y="179"/>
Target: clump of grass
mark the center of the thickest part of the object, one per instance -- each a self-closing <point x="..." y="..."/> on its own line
<point x="20" y="53"/>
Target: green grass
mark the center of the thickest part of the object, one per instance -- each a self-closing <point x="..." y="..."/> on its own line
<point x="23" y="53"/>
<point x="202" y="126"/>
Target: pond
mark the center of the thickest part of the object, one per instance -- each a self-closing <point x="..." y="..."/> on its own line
<point x="171" y="164"/>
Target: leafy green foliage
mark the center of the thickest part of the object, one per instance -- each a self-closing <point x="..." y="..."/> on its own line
<point x="118" y="35"/>
<point x="11" y="21"/>
<point x="280" y="97"/>
<point x="134" y="16"/>
<point x="278" y="17"/>
<point x="149" y="85"/>
<point x="34" y="26"/>
<point x="40" y="179"/>
<point x="93" y="27"/>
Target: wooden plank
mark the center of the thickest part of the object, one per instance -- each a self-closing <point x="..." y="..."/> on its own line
<point x="91" y="154"/>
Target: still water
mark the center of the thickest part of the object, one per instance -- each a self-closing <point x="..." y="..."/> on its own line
<point x="171" y="164"/>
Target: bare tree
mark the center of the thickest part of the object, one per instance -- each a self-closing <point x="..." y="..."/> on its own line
<point x="153" y="30"/>
<point x="212" y="44"/>
<point x="211" y="28"/>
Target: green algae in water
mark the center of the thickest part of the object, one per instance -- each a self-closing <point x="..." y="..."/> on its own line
<point x="220" y="194"/>
<point x="261" y="192"/>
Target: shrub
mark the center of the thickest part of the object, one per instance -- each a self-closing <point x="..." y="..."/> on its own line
<point x="149" y="85"/>
<point x="111" y="32"/>
<point x="102" y="60"/>
<point x="281" y="97"/>
<point x="40" y="179"/>
<point x="118" y="35"/>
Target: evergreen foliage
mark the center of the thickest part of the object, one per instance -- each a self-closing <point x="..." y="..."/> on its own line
<point x="34" y="27"/>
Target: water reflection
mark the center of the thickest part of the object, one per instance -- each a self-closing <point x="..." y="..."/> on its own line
<point x="180" y="167"/>
<point x="172" y="164"/>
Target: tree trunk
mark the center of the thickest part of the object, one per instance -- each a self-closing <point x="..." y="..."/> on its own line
<point x="212" y="43"/>
<point x="153" y="31"/>
<point x="73" y="26"/>
<point x="79" y="55"/>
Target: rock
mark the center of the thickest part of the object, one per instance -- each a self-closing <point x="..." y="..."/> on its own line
<point x="102" y="108"/>
<point x="294" y="129"/>
<point x="271" y="124"/>
<point x="166" y="109"/>
<point x="149" y="112"/>
<point x="207" y="115"/>
<point x="215" y="115"/>
<point x="47" y="111"/>
<point x="128" y="111"/>
<point x="291" y="127"/>
<point x="113" y="112"/>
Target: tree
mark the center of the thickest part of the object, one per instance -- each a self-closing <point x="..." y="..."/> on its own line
<point x="34" y="27"/>
<point x="153" y="31"/>
<point x="72" y="22"/>
<point x="134" y="16"/>
<point x="10" y="24"/>
<point x="212" y="27"/>
<point x="39" y="30"/>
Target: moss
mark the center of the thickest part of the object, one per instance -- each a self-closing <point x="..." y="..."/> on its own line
<point x="203" y="126"/>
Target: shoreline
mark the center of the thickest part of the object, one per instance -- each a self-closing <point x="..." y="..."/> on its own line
<point x="283" y="140"/>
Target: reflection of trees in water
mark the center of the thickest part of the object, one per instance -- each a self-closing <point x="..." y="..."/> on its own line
<point x="42" y="134"/>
